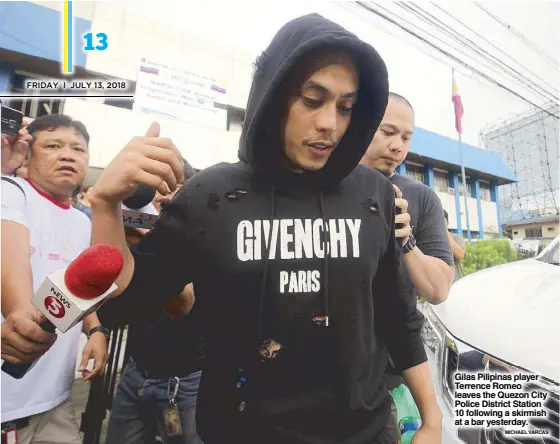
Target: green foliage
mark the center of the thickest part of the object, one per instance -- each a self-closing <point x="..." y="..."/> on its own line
<point x="487" y="253"/>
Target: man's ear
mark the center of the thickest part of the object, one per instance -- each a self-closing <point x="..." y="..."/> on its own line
<point x="29" y="153"/>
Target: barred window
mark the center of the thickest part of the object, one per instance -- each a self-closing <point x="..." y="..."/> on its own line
<point x="415" y="172"/>
<point x="485" y="191"/>
<point x="441" y="181"/>
<point x="469" y="186"/>
<point x="533" y="232"/>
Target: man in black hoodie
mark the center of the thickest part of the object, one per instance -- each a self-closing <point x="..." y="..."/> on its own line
<point x="291" y="250"/>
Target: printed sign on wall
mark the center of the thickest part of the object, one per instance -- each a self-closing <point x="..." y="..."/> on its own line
<point x="174" y="92"/>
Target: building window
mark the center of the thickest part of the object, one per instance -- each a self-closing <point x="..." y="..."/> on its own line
<point x="469" y="186"/>
<point x="34" y="107"/>
<point x="485" y="191"/>
<point x="415" y="172"/>
<point x="441" y="180"/>
<point x="533" y="232"/>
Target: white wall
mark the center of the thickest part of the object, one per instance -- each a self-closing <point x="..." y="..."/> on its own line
<point x="489" y="213"/>
<point x="132" y="35"/>
<point x="448" y="203"/>
<point x="473" y="214"/>
<point x="489" y="216"/>
<point x="80" y="9"/>
<point x="111" y="128"/>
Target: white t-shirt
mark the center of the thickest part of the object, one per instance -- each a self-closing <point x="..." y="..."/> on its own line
<point x="57" y="234"/>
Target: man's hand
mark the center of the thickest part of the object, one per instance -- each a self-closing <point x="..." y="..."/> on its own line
<point x="402" y="220"/>
<point x="15" y="149"/>
<point x="149" y="160"/>
<point x="96" y="349"/>
<point x="427" y="434"/>
<point x="22" y="339"/>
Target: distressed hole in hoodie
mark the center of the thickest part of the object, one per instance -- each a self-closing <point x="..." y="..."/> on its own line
<point x="319" y="320"/>
<point x="235" y="194"/>
<point x="371" y="205"/>
<point x="213" y="200"/>
<point x="269" y="349"/>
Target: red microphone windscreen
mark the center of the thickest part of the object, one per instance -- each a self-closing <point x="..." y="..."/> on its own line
<point x="94" y="270"/>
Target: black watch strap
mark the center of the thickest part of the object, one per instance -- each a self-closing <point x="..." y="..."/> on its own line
<point x="100" y="328"/>
<point x="410" y="245"/>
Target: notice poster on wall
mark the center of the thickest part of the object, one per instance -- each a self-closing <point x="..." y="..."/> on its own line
<point x="173" y="92"/>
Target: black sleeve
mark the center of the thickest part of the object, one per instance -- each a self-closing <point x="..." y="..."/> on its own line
<point x="163" y="262"/>
<point x="396" y="314"/>
<point x="431" y="236"/>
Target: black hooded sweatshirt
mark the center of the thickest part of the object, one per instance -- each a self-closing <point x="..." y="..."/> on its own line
<point x="252" y="237"/>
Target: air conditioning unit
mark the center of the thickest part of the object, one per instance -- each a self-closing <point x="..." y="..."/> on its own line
<point x="451" y="190"/>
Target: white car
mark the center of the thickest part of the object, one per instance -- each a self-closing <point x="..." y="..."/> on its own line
<point x="504" y="317"/>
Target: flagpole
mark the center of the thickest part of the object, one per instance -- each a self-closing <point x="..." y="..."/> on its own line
<point x="458" y="105"/>
<point x="465" y="190"/>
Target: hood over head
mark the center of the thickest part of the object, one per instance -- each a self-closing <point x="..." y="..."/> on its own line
<point x="261" y="141"/>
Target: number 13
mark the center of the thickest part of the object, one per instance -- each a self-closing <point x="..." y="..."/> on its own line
<point x="102" y="38"/>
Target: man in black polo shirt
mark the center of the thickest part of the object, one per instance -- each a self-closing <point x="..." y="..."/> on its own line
<point x="163" y="368"/>
<point x="429" y="266"/>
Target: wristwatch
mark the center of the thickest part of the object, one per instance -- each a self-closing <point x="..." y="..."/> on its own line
<point x="100" y="328"/>
<point x="410" y="245"/>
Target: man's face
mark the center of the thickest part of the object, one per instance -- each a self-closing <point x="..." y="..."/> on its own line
<point x="319" y="112"/>
<point x="391" y="142"/>
<point x="59" y="157"/>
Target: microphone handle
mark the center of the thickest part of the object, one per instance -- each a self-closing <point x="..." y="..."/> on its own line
<point x="18" y="371"/>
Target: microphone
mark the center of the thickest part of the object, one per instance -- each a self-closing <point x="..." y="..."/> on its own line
<point x="138" y="210"/>
<point x="71" y="294"/>
<point x="143" y="195"/>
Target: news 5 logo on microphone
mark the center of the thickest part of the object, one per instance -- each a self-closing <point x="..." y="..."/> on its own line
<point x="138" y="210"/>
<point x="69" y="295"/>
